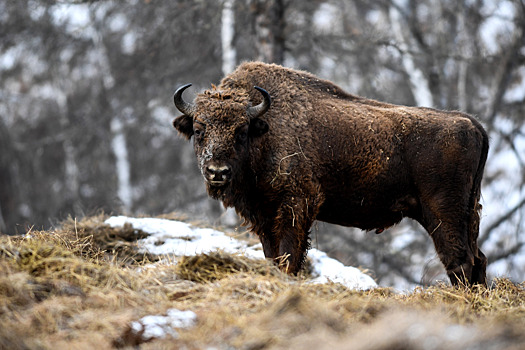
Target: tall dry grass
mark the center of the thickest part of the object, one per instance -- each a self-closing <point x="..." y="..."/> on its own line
<point x="83" y="285"/>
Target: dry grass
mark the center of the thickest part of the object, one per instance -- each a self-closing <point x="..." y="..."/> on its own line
<point x="81" y="286"/>
<point x="218" y="265"/>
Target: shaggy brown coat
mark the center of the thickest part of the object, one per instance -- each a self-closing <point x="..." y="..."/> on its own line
<point x="320" y="153"/>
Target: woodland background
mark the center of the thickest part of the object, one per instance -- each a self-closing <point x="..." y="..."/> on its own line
<point x="86" y="104"/>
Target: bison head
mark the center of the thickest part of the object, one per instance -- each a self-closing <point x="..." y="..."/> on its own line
<point x="223" y="125"/>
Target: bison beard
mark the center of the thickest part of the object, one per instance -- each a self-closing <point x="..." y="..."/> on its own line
<point x="311" y="151"/>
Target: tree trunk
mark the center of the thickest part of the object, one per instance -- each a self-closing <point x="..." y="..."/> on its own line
<point x="269" y="30"/>
<point x="120" y="150"/>
<point x="8" y="190"/>
<point x="418" y="82"/>
<point x="229" y="55"/>
<point x="118" y="138"/>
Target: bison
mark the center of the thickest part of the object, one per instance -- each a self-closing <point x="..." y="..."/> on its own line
<point x="285" y="148"/>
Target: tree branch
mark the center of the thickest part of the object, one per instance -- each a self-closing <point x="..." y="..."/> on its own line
<point x="505" y="254"/>
<point x="504" y="75"/>
<point x="500" y="221"/>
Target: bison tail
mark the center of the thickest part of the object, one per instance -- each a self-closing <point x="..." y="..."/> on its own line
<point x="480" y="261"/>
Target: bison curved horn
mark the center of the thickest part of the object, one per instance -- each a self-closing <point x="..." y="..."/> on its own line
<point x="261" y="108"/>
<point x="183" y="106"/>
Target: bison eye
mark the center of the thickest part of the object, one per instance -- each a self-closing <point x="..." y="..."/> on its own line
<point x="241" y="138"/>
<point x="198" y="131"/>
<point x="242" y="134"/>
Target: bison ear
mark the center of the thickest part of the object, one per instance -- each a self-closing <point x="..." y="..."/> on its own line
<point x="258" y="127"/>
<point x="184" y="125"/>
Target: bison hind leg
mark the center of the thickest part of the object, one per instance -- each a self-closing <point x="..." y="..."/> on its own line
<point x="450" y="236"/>
<point x="470" y="273"/>
<point x="479" y="270"/>
<point x="465" y="263"/>
<point x="461" y="275"/>
<point x="479" y="275"/>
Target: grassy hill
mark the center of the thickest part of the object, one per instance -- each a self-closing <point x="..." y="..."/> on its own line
<point x="85" y="285"/>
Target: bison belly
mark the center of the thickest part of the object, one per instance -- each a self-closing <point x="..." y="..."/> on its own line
<point x="369" y="209"/>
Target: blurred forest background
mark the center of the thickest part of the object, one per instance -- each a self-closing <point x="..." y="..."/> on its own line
<point x="86" y="104"/>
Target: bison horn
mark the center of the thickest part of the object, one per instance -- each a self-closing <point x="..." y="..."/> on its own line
<point x="261" y="108"/>
<point x="183" y="106"/>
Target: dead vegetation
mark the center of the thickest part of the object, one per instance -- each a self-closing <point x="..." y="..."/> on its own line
<point x="83" y="285"/>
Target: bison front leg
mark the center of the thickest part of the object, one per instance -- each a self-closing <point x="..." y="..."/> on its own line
<point x="269" y="241"/>
<point x="291" y="231"/>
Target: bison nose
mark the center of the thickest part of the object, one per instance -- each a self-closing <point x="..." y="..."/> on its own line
<point x="218" y="175"/>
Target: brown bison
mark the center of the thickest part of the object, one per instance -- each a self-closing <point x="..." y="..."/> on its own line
<point x="285" y="148"/>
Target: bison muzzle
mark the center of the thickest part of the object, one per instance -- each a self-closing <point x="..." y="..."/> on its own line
<point x="285" y="148"/>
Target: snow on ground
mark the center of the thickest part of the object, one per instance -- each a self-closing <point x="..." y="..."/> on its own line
<point x="179" y="239"/>
<point x="328" y="269"/>
<point x="159" y="326"/>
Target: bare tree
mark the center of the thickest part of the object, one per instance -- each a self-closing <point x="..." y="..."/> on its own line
<point x="269" y="23"/>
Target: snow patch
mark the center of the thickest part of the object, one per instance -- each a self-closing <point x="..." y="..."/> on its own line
<point x="331" y="270"/>
<point x="179" y="238"/>
<point x="160" y="326"/>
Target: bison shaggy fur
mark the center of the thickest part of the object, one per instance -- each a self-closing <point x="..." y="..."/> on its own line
<point x="298" y="148"/>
